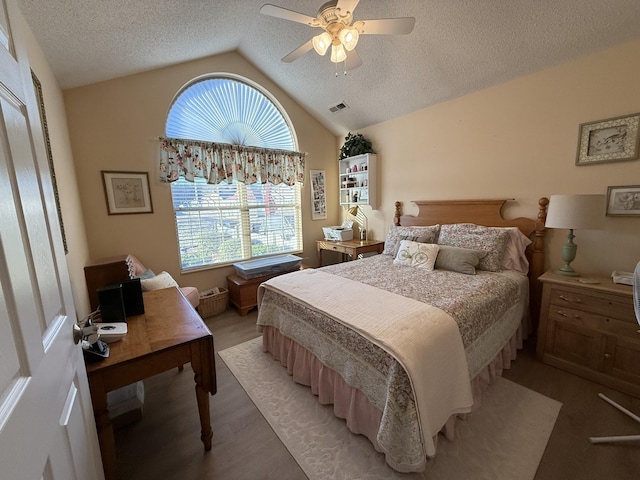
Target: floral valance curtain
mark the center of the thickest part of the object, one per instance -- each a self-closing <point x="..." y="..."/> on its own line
<point x="217" y="162"/>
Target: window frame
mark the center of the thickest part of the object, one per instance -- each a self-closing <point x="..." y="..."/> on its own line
<point x="244" y="208"/>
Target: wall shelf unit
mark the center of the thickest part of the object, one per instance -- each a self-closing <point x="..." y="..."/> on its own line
<point x="358" y="180"/>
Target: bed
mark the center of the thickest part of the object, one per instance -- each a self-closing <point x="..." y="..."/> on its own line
<point x="404" y="342"/>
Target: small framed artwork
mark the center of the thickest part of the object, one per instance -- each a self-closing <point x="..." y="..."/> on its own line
<point x="127" y="192"/>
<point x="318" y="195"/>
<point x="623" y="201"/>
<point x="610" y="140"/>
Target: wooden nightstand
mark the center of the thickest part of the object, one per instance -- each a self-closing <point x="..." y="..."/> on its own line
<point x="352" y="248"/>
<point x="590" y="330"/>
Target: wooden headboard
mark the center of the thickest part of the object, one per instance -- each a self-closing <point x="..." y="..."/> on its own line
<point x="487" y="212"/>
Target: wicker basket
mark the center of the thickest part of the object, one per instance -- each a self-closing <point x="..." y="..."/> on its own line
<point x="214" y="303"/>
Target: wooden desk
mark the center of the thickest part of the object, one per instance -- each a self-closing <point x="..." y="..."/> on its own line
<point x="169" y="334"/>
<point x="352" y="248"/>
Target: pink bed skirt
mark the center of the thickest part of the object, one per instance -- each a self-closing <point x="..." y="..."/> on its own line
<point x="350" y="404"/>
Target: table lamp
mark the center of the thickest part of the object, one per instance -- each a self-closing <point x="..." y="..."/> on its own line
<point x="574" y="212"/>
<point x="356" y="212"/>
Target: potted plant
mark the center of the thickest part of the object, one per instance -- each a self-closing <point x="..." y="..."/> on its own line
<point x="355" y="144"/>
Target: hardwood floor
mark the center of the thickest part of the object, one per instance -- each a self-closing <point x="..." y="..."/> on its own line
<point x="166" y="444"/>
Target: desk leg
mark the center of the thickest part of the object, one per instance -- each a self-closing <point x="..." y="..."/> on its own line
<point x="105" y="429"/>
<point x="319" y="257"/>
<point x="206" y="433"/>
<point x="202" y="362"/>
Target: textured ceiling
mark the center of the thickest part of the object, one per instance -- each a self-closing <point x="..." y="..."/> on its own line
<point x="456" y="47"/>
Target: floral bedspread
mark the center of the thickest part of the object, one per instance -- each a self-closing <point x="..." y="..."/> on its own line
<point x="478" y="303"/>
<point x="486" y="306"/>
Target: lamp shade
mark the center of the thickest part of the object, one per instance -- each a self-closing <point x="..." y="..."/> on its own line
<point x="349" y="38"/>
<point x="337" y="53"/>
<point x="580" y="212"/>
<point x="321" y="43"/>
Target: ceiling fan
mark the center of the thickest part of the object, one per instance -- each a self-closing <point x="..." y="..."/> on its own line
<point x="334" y="18"/>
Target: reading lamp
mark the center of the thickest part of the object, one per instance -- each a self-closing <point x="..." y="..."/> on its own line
<point x="356" y="211"/>
<point x="574" y="212"/>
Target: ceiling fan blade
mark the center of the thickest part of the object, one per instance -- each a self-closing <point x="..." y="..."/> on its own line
<point x="347" y="5"/>
<point x="386" y="26"/>
<point x="279" y="12"/>
<point x="353" y="60"/>
<point x="298" y="52"/>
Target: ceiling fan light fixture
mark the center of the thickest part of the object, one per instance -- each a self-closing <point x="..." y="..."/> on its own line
<point x="335" y="18"/>
<point x="337" y="53"/>
<point x="349" y="38"/>
<point x="321" y="43"/>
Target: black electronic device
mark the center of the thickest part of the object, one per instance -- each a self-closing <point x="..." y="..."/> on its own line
<point x="132" y="297"/>
<point x="111" y="303"/>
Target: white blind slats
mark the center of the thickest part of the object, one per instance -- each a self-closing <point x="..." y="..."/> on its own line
<point x="218" y="221"/>
<point x="222" y="223"/>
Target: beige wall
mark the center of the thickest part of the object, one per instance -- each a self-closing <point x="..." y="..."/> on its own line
<point x="113" y="126"/>
<point x="70" y="203"/>
<point x="515" y="140"/>
<point x="518" y="140"/>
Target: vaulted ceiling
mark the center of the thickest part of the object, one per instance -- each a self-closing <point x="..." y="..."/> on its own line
<point x="456" y="47"/>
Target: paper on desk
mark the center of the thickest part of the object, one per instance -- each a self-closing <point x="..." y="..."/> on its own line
<point x="625" y="278"/>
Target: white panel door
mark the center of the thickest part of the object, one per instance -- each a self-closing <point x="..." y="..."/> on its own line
<point x="47" y="429"/>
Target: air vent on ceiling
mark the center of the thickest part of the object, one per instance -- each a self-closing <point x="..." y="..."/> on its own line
<point x="338" y="107"/>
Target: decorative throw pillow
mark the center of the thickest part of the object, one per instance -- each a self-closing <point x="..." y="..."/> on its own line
<point x="162" y="280"/>
<point x="429" y="233"/>
<point x="477" y="237"/>
<point x="415" y="254"/>
<point x="135" y="267"/>
<point x="422" y="239"/>
<point x="456" y="259"/>
<point x="148" y="273"/>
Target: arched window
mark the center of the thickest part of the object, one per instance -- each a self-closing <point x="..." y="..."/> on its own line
<point x="219" y="224"/>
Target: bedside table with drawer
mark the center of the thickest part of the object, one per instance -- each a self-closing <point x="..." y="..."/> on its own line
<point x="590" y="329"/>
<point x="350" y="249"/>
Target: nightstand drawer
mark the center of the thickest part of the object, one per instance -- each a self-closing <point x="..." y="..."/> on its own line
<point x="338" y="248"/>
<point x="601" y="323"/>
<point x="603" y="304"/>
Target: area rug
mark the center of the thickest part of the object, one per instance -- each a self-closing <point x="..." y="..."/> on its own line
<point x="504" y="439"/>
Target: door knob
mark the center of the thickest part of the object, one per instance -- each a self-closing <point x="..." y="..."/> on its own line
<point x="89" y="331"/>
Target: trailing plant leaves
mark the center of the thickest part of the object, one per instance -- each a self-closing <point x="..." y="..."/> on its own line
<point x="355" y="144"/>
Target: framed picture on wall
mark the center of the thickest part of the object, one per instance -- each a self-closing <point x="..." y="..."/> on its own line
<point x="127" y="192"/>
<point x="610" y="140"/>
<point x="623" y="201"/>
<point x="318" y="195"/>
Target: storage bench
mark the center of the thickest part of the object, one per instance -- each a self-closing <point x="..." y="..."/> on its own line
<point x="243" y="293"/>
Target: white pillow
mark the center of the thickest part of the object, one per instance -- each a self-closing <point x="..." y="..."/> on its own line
<point x="417" y="254"/>
<point x="162" y="280"/>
